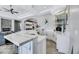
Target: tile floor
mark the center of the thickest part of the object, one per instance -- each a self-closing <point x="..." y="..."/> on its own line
<point x="9" y="49"/>
<point x="51" y="47"/>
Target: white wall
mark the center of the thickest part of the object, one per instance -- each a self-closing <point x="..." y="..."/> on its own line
<point x="50" y="18"/>
<point x="22" y="25"/>
<point x="13" y="25"/>
<point x="74" y="27"/>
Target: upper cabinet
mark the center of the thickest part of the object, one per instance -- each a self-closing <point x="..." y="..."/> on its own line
<point x="61" y="19"/>
<point x="5" y="24"/>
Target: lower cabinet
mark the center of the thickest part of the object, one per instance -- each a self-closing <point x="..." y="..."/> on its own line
<point x="26" y="48"/>
<point x="2" y="40"/>
<point x="64" y="43"/>
<point x="39" y="45"/>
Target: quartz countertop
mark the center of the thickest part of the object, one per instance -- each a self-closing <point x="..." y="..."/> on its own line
<point x="21" y="37"/>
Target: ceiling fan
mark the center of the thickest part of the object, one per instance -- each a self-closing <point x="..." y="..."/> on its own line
<point x="11" y="10"/>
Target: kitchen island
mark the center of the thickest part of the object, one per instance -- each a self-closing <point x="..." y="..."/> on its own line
<point x="28" y="42"/>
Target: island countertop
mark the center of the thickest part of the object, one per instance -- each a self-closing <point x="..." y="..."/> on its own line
<point x="21" y="37"/>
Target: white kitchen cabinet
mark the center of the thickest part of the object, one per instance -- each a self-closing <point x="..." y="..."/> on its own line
<point x="39" y="45"/>
<point x="50" y="34"/>
<point x="64" y="42"/>
<point x="26" y="48"/>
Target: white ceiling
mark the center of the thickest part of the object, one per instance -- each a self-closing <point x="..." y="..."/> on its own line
<point x="28" y="10"/>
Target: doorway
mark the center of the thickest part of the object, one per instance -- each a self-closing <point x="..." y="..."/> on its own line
<point x="17" y="26"/>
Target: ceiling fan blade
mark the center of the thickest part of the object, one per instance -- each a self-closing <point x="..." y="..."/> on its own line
<point x="6" y="9"/>
<point x="0" y="10"/>
<point x="16" y="12"/>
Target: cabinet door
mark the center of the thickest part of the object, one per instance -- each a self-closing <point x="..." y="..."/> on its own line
<point x="39" y="45"/>
<point x="63" y="43"/>
<point x="2" y="40"/>
<point x="26" y="48"/>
